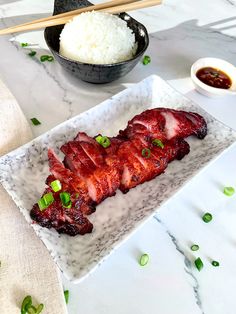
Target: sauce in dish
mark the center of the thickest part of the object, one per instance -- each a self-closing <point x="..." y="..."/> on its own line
<point x="214" y="77"/>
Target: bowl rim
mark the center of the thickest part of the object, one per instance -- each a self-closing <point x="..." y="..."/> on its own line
<point x="103" y="64"/>
<point x="210" y="89"/>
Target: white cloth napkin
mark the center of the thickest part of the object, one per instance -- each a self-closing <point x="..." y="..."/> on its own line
<point x="26" y="266"/>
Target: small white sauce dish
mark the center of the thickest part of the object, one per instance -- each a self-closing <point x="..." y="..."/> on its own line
<point x="219" y="64"/>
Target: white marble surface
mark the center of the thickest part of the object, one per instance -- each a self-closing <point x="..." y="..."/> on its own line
<point x="180" y="33"/>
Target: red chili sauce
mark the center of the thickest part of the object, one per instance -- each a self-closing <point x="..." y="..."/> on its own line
<point x="214" y="77"/>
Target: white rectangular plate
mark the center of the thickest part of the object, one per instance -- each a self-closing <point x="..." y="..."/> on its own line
<point x="23" y="173"/>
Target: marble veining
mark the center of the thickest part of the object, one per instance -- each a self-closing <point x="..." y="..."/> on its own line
<point x="187" y="263"/>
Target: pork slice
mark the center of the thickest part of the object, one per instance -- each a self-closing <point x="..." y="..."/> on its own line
<point x="166" y="124"/>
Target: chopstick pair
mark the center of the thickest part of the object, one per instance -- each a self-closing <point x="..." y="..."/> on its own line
<point x="113" y="7"/>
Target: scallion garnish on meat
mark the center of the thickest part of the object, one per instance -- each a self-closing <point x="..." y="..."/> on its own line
<point x="103" y="141"/>
<point x="35" y="121"/>
<point x="158" y="143"/>
<point x="65" y="199"/>
<point x="229" y="191"/>
<point x="144" y="259"/>
<point x="45" y="201"/>
<point x="56" y="185"/>
<point x="199" y="264"/>
<point x="146" y="152"/>
<point x="207" y="217"/>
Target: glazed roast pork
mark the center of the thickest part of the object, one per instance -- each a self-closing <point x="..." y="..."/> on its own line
<point x="91" y="171"/>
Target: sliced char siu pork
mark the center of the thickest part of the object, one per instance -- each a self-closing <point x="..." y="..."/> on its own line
<point x="91" y="171"/>
<point x="165" y="124"/>
<point x="142" y="163"/>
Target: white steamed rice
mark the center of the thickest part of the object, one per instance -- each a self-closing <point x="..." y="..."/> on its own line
<point x="98" y="38"/>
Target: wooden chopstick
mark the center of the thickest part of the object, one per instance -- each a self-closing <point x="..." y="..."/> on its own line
<point x="66" y="17"/>
<point x="78" y="11"/>
<point x="132" y="6"/>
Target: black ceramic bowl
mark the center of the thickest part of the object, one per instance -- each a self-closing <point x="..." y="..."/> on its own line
<point x="95" y="73"/>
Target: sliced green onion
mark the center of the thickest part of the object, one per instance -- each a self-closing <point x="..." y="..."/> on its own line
<point x="158" y="143"/>
<point x="45" y="201"/>
<point x="215" y="263"/>
<point x="32" y="53"/>
<point x="39" y="308"/>
<point x="65" y="199"/>
<point x="44" y="58"/>
<point x="146" y="60"/>
<point x="24" y="45"/>
<point x="35" y="121"/>
<point x="207" y="217"/>
<point x="103" y="141"/>
<point x="66" y="294"/>
<point x="48" y="198"/>
<point x="199" y="264"/>
<point x="146" y="152"/>
<point x="229" y="191"/>
<point x="26" y="304"/>
<point x="76" y="195"/>
<point x="56" y="185"/>
<point x="42" y="204"/>
<point x="194" y="247"/>
<point x="28" y="308"/>
<point x="144" y="259"/>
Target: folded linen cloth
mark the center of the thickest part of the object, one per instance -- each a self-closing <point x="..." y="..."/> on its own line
<point x="26" y="266"/>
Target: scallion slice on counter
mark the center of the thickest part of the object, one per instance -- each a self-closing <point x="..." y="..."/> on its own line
<point x="35" y="121"/>
<point x="24" y="45"/>
<point x="56" y="185"/>
<point x="229" y="191"/>
<point x="26" y="304"/>
<point x="44" y="58"/>
<point x="65" y="199"/>
<point x="32" y="53"/>
<point x="207" y="217"/>
<point x="144" y="259"/>
<point x="215" y="263"/>
<point x="158" y="143"/>
<point x="39" y="308"/>
<point x="146" y="60"/>
<point x="45" y="201"/>
<point x="194" y="247"/>
<point x="66" y="294"/>
<point x="28" y="308"/>
<point x="146" y="152"/>
<point x="199" y="264"/>
<point x="103" y="141"/>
